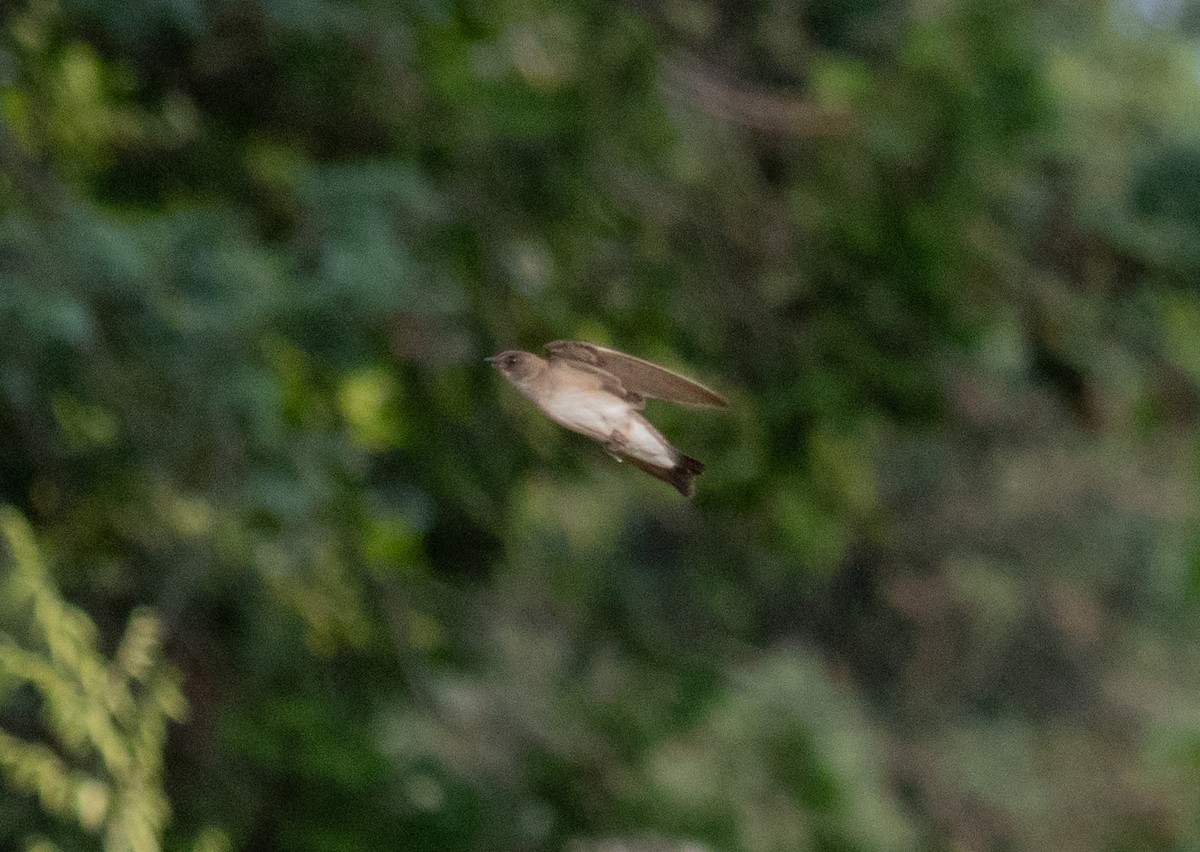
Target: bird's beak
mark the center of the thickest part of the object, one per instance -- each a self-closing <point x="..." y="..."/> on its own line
<point x="491" y="360"/>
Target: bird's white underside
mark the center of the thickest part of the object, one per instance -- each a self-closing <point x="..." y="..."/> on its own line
<point x="599" y="415"/>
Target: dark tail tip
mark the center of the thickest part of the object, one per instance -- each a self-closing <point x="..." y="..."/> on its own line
<point x="681" y="475"/>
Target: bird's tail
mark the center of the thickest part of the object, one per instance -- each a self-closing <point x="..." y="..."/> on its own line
<point x="679" y="476"/>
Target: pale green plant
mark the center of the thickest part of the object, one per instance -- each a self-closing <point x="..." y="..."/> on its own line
<point x="101" y="763"/>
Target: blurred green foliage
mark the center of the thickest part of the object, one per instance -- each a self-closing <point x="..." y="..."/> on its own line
<point x="111" y="719"/>
<point x="938" y="588"/>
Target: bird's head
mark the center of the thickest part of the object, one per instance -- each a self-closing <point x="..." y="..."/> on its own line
<point x="517" y="366"/>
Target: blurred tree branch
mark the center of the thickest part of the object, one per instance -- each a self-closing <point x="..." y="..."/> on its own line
<point x="687" y="79"/>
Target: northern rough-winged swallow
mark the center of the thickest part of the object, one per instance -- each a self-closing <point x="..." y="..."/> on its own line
<point x="600" y="393"/>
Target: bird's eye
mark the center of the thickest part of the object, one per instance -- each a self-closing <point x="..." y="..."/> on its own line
<point x="511" y="360"/>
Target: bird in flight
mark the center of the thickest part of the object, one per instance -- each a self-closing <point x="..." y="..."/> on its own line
<point x="600" y="393"/>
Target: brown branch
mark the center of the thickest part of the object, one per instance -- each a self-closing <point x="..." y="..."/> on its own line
<point x="687" y="79"/>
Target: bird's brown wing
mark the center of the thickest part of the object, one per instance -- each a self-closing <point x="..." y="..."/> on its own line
<point x="637" y="376"/>
<point x="602" y="379"/>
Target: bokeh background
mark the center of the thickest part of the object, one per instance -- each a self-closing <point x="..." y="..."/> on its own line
<point x="285" y="566"/>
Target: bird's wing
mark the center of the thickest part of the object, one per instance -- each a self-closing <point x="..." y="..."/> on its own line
<point x="601" y="379"/>
<point x="635" y="375"/>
